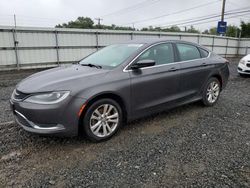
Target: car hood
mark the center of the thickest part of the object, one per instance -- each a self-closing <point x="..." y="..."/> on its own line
<point x="247" y="57"/>
<point x="61" y="78"/>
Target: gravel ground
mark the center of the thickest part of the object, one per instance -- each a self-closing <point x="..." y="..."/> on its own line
<point x="190" y="146"/>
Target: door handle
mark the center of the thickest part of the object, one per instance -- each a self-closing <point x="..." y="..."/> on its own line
<point x="173" y="69"/>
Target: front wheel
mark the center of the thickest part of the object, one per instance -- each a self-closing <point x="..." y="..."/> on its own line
<point x="102" y="119"/>
<point x="211" y="92"/>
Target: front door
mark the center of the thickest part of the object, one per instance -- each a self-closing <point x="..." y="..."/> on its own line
<point x="156" y="86"/>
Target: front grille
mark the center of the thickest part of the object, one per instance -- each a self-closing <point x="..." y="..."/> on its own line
<point x="18" y="95"/>
<point x="248" y="65"/>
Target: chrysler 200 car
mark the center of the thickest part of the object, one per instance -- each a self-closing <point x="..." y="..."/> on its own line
<point x="117" y="84"/>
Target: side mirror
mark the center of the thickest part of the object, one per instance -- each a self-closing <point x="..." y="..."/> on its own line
<point x="143" y="63"/>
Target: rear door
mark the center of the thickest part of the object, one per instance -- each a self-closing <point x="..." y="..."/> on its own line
<point x="152" y="87"/>
<point x="194" y="69"/>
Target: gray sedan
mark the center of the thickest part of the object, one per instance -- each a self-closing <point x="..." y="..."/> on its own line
<point x="116" y="84"/>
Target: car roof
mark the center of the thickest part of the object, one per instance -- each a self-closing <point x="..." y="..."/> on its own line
<point x="149" y="42"/>
<point x="153" y="41"/>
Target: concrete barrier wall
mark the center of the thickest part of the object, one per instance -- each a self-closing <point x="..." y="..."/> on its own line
<point x="26" y="47"/>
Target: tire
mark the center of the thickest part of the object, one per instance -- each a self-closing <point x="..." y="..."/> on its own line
<point x="211" y="92"/>
<point x="242" y="75"/>
<point x="99" y="126"/>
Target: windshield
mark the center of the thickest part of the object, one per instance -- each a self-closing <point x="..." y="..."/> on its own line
<point x="111" y="56"/>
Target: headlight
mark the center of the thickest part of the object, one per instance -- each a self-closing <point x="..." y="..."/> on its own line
<point x="243" y="62"/>
<point x="48" y="98"/>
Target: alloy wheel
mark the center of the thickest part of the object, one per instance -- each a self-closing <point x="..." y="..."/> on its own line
<point x="104" y="120"/>
<point x="213" y="92"/>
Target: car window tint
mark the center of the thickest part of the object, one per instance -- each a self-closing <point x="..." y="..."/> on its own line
<point x="204" y="53"/>
<point x="188" y="52"/>
<point x="161" y="54"/>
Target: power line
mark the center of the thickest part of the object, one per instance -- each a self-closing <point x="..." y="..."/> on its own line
<point x="202" y="19"/>
<point x="27" y="20"/>
<point x="174" y="13"/>
<point x="216" y="20"/>
<point x="24" y="20"/>
<point x="234" y="11"/>
<point x="133" y="7"/>
<point x="177" y="21"/>
<point x="206" y="18"/>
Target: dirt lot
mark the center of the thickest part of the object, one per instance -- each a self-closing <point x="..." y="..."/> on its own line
<point x="191" y="146"/>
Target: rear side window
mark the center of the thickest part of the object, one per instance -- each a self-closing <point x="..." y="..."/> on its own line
<point x="188" y="52"/>
<point x="204" y="53"/>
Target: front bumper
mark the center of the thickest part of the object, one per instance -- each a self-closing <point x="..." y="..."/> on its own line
<point x="57" y="119"/>
<point x="243" y="69"/>
<point x="32" y="127"/>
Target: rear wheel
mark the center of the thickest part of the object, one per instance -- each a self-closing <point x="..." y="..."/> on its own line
<point x="102" y="119"/>
<point x="211" y="92"/>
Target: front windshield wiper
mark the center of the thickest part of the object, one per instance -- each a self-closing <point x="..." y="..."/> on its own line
<point x="92" y="65"/>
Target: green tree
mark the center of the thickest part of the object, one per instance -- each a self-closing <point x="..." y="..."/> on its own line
<point x="170" y="29"/>
<point x="80" y="22"/>
<point x="213" y="31"/>
<point x="232" y="31"/>
<point x="88" y="23"/>
<point x="206" y="32"/>
<point x="193" y="30"/>
<point x="245" y="29"/>
<point x="173" y="29"/>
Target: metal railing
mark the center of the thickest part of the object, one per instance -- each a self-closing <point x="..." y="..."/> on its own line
<point x="25" y="47"/>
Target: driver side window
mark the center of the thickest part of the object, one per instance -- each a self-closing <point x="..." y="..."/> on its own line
<point x="161" y="54"/>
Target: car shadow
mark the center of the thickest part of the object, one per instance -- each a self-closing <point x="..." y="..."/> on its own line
<point x="170" y="113"/>
<point x="244" y="76"/>
<point x="138" y="124"/>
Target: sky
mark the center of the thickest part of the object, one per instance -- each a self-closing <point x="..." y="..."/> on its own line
<point x="140" y="13"/>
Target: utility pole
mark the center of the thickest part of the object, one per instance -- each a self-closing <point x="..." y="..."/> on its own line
<point x="15" y="20"/>
<point x="223" y="10"/>
<point x="99" y="21"/>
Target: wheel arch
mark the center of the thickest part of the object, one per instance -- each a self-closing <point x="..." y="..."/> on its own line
<point x="218" y="76"/>
<point x="108" y="95"/>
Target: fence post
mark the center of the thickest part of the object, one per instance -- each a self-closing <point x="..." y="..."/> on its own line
<point x="199" y="36"/>
<point x="57" y="48"/>
<point x="97" y="41"/>
<point x="238" y="47"/>
<point x="213" y="44"/>
<point x="16" y="48"/>
<point x="132" y="35"/>
<point x="226" y="48"/>
<point x="246" y="50"/>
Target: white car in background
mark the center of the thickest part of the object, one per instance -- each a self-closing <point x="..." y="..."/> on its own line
<point x="244" y="65"/>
